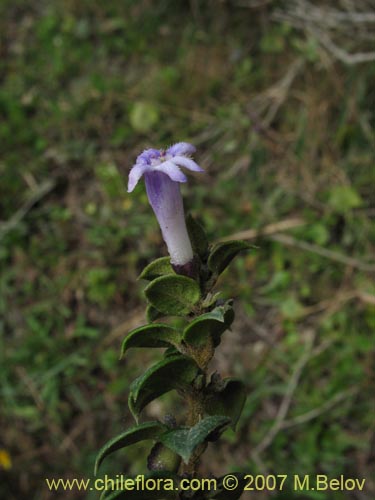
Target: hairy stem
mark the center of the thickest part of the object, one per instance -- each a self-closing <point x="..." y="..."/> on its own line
<point x="195" y="413"/>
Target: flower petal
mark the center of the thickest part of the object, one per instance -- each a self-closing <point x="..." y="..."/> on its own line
<point x="181" y="148"/>
<point x="182" y="161"/>
<point x="165" y="198"/>
<point x="172" y="170"/>
<point x="135" y="174"/>
<point x="147" y="155"/>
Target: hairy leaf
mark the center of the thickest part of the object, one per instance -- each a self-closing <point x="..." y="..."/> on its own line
<point x="174" y="372"/>
<point x="148" y="430"/>
<point x="228" y="401"/>
<point x="157" y="268"/>
<point x="154" y="335"/>
<point x="173" y="294"/>
<point x="222" y="254"/>
<point x="171" y="351"/>
<point x="213" y="324"/>
<point x="197" y="236"/>
<point x="185" y="440"/>
<point x="152" y="313"/>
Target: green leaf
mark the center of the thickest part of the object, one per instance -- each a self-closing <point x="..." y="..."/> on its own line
<point x="210" y="299"/>
<point x="148" y="430"/>
<point x="152" y="313"/>
<point x="174" y="372"/>
<point x="132" y="406"/>
<point x="344" y="198"/>
<point x="154" y="335"/>
<point x="223" y="253"/>
<point x="229" y="400"/>
<point x="171" y="351"/>
<point x="212" y="324"/>
<point x="173" y="294"/>
<point x="197" y="236"/>
<point x="157" y="268"/>
<point x="185" y="440"/>
<point x="143" y="116"/>
<point x="169" y="487"/>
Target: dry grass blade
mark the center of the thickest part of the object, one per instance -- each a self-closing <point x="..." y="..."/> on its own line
<point x="288" y="397"/>
<point x="323" y="252"/>
<point x="316" y="412"/>
<point x="276" y="227"/>
<point x="42" y="191"/>
<point x="346" y="23"/>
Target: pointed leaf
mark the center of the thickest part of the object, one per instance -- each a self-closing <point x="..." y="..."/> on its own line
<point x="148" y="430"/>
<point x="223" y="253"/>
<point x="157" y="268"/>
<point x="213" y="324"/>
<point x="152" y="313"/>
<point x="197" y="236"/>
<point x="211" y="299"/>
<point x="228" y="401"/>
<point x="173" y="294"/>
<point x="132" y="407"/>
<point x="185" y="440"/>
<point x="174" y="372"/>
<point x="171" y="351"/>
<point x="154" y="335"/>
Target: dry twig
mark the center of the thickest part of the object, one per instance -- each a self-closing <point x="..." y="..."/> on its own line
<point x="275" y="227"/>
<point x="323" y="252"/>
<point x="316" y="412"/>
<point x="45" y="188"/>
<point x="270" y="231"/>
<point x="288" y="397"/>
<point x="348" y="24"/>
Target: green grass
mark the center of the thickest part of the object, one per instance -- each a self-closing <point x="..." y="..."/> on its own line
<point x="84" y="88"/>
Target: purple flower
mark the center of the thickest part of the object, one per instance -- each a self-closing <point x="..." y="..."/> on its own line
<point x="162" y="177"/>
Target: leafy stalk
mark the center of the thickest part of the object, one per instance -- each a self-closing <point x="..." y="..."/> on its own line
<point x="212" y="403"/>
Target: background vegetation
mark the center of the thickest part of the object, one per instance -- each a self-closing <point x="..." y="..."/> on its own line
<point x="284" y="126"/>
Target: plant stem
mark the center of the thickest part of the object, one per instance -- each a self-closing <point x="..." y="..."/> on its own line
<point x="195" y="413"/>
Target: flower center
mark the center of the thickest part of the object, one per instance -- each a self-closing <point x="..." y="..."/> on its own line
<point x="154" y="157"/>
